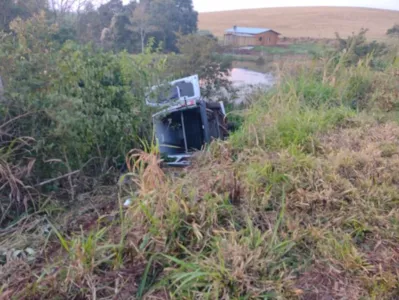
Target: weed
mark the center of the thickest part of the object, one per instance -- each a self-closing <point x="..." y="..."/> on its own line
<point x="300" y="202"/>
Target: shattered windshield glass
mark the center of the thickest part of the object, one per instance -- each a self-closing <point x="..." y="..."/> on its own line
<point x="170" y="93"/>
<point x="164" y="94"/>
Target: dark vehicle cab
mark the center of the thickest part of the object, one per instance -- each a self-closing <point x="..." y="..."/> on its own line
<point x="186" y="123"/>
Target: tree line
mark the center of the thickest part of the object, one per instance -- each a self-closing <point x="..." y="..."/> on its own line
<point x="111" y="25"/>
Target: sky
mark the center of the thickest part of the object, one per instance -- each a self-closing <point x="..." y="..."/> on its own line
<point x="217" y="5"/>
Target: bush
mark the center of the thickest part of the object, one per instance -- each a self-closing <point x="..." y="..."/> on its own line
<point x="358" y="48"/>
<point x="202" y="55"/>
<point x="260" y="61"/>
<point x="394" y="31"/>
<point x="16" y="164"/>
<point x="84" y="108"/>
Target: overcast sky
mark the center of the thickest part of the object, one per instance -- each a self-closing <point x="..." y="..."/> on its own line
<point x="216" y="5"/>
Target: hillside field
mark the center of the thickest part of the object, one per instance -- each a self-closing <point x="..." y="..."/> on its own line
<point x="313" y="22"/>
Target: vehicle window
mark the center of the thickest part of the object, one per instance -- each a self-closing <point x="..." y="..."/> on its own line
<point x="186" y="89"/>
<point x="167" y="95"/>
<point x="164" y="94"/>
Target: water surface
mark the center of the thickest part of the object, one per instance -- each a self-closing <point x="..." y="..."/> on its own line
<point x="246" y="82"/>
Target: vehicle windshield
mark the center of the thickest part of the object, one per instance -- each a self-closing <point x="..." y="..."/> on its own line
<point x="163" y="94"/>
<point x="170" y="93"/>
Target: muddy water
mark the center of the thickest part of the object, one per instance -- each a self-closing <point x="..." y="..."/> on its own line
<point x="246" y="82"/>
<point x="244" y="77"/>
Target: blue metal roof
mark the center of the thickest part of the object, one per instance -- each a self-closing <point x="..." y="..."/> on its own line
<point x="243" y="34"/>
<point x="247" y="30"/>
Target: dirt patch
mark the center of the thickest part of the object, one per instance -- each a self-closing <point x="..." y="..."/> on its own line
<point x="323" y="282"/>
<point x="303" y="22"/>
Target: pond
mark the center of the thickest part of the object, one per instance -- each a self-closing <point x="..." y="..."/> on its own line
<point x="244" y="77"/>
<point x="246" y="82"/>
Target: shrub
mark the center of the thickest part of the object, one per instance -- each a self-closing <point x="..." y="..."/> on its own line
<point x="84" y="108"/>
<point x="394" y="31"/>
<point x="260" y="61"/>
<point x="16" y="164"/>
<point x="357" y="48"/>
<point x="201" y="54"/>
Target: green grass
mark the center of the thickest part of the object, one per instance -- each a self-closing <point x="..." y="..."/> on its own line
<point x="305" y="48"/>
<point x="266" y="58"/>
<point x="300" y="203"/>
<point x="241" y="58"/>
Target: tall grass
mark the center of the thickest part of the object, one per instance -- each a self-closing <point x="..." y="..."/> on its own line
<point x="300" y="203"/>
<point x="316" y="98"/>
<point x="16" y="164"/>
<point x="300" y="48"/>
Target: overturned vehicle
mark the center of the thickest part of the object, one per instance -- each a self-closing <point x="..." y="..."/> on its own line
<point x="186" y="122"/>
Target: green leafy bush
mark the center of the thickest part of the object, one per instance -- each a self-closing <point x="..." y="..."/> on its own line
<point x="202" y="55"/>
<point x="357" y="48"/>
<point x="394" y="31"/>
<point x="83" y="107"/>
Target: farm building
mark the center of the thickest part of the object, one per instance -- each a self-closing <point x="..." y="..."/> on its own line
<point x="245" y="36"/>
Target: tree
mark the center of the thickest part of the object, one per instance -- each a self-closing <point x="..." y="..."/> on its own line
<point x="89" y="25"/>
<point x="11" y="9"/>
<point x="141" y="23"/>
<point x="358" y="48"/>
<point x="60" y="7"/>
<point x="171" y="17"/>
<point x="188" y="17"/>
<point x="127" y="27"/>
<point x="394" y="31"/>
<point x="123" y="38"/>
<point x="29" y="69"/>
<point x="108" y="10"/>
<point x="200" y="55"/>
<point x="6" y="13"/>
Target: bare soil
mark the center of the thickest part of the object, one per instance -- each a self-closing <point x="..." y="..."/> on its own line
<point x="312" y="22"/>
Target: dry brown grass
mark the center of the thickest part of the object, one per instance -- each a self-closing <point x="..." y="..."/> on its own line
<point x="145" y="170"/>
<point x="300" y="203"/>
<point x="334" y="235"/>
<point x="313" y="22"/>
<point x="254" y="222"/>
<point x="15" y="168"/>
<point x="349" y="198"/>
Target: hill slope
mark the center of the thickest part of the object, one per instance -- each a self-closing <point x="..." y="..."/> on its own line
<point x="314" y="22"/>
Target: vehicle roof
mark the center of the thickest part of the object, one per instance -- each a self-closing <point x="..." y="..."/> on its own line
<point x="173" y="109"/>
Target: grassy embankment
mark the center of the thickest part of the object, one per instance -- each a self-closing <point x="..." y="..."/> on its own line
<point x="265" y="59"/>
<point x="301" y="202"/>
<point x="298" y="48"/>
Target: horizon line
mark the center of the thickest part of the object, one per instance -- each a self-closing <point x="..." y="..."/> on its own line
<point x="306" y="6"/>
